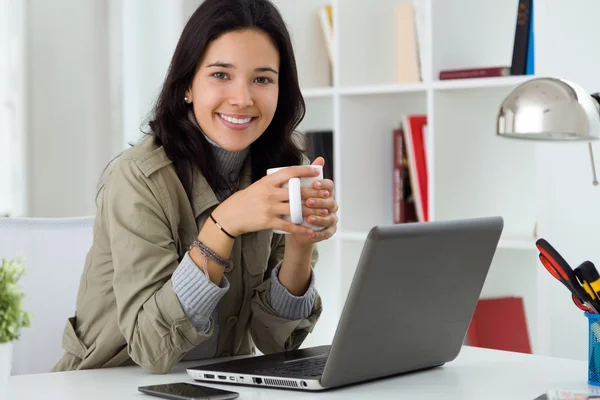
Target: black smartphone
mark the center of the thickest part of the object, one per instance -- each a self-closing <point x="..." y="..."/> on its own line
<point x="187" y="391"/>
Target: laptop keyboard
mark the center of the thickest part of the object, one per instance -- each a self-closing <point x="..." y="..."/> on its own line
<point x="310" y="367"/>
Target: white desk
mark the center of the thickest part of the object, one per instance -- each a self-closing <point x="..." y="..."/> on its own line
<point x="475" y="374"/>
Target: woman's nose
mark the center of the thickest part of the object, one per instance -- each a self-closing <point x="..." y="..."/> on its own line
<point x="241" y="96"/>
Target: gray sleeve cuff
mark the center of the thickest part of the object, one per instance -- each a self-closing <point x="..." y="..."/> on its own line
<point x="286" y="304"/>
<point x="197" y="294"/>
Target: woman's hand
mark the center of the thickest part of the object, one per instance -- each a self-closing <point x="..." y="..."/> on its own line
<point x="260" y="205"/>
<point x="319" y="208"/>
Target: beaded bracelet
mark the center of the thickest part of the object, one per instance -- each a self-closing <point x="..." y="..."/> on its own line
<point x="208" y="253"/>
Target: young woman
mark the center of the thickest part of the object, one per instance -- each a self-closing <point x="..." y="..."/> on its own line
<point x="184" y="262"/>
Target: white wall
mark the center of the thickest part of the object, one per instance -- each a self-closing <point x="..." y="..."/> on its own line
<point x="12" y="108"/>
<point x="6" y="117"/>
<point x="68" y="108"/>
<point x="149" y="33"/>
<point x="569" y="204"/>
<point x="94" y="71"/>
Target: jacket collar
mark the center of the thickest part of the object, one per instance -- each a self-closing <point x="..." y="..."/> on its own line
<point x="203" y="196"/>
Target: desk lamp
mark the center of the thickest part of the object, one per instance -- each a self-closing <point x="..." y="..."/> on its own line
<point x="551" y="109"/>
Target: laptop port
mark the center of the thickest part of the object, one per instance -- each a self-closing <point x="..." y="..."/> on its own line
<point x="209" y="376"/>
<point x="223" y="377"/>
<point x="258" y="381"/>
<point x="304" y="384"/>
<point x="232" y="378"/>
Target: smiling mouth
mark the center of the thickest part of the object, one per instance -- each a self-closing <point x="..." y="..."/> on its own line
<point x="236" y="121"/>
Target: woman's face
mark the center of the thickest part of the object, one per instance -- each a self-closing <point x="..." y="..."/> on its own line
<point x="234" y="92"/>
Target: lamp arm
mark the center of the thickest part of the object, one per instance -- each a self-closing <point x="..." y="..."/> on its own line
<point x="595" y="181"/>
<point x="596" y="97"/>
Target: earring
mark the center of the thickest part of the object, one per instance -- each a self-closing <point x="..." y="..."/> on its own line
<point x="185" y="99"/>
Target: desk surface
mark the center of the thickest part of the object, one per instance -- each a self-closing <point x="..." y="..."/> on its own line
<point x="475" y="374"/>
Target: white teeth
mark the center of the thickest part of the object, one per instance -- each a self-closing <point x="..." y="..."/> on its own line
<point x="236" y="120"/>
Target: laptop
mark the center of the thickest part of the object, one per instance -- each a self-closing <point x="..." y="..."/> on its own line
<point x="408" y="309"/>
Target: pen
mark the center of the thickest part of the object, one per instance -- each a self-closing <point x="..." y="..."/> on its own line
<point x="589" y="277"/>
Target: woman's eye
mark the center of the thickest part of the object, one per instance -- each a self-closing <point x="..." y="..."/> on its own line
<point x="220" y="75"/>
<point x="263" y="80"/>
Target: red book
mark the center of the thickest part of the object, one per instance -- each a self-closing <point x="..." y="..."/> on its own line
<point x="414" y="139"/>
<point x="500" y="324"/>
<point x="467" y="73"/>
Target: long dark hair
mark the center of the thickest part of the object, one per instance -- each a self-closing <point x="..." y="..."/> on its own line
<point x="170" y="125"/>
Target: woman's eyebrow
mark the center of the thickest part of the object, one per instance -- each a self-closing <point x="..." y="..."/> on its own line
<point x="266" y="69"/>
<point x="221" y="64"/>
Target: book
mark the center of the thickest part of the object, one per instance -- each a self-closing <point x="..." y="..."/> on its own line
<point x="521" y="40"/>
<point x="499" y="323"/>
<point x="403" y="203"/>
<point x="468" y="73"/>
<point x="530" y="62"/>
<point x="325" y="15"/>
<point x="414" y="139"/>
<point x="420" y="13"/>
<point x="571" y="394"/>
<point x="407" y="47"/>
<point x="320" y="143"/>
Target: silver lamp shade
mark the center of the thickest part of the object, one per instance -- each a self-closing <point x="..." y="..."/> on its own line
<point x="550" y="109"/>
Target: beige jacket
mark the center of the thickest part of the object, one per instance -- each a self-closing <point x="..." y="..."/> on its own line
<point x="127" y="311"/>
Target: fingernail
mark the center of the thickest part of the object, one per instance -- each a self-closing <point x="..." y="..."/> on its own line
<point x="310" y="202"/>
<point x="324" y="211"/>
<point x="312" y="219"/>
<point x="316" y="171"/>
<point x="325" y="193"/>
<point x="319" y="184"/>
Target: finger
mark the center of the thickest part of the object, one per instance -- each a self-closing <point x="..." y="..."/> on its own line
<point x="280" y="209"/>
<point x="279" y="195"/>
<point x="319" y="161"/>
<point x="289" y="227"/>
<point x="325" y="184"/>
<point x="297" y="171"/>
<point x="328" y="204"/>
<point x="324" y="234"/>
<point x="307" y="211"/>
<point x="283" y="209"/>
<point x="306" y="193"/>
<point x="326" y="221"/>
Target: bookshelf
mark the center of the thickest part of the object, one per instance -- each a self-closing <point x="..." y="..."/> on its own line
<point x="471" y="172"/>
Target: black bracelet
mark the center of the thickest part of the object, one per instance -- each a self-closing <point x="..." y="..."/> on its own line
<point x="220" y="227"/>
<point x="206" y="251"/>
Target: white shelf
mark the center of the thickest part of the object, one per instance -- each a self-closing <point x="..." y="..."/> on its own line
<point x="472" y="172"/>
<point x="316" y="93"/>
<point x="457" y="84"/>
<point x="510" y="242"/>
<point x="451" y="84"/>
<point x="382" y="88"/>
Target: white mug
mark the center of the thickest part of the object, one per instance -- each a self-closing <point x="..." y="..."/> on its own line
<point x="294" y="185"/>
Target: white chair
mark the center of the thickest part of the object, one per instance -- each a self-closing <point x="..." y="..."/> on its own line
<point x="54" y="251"/>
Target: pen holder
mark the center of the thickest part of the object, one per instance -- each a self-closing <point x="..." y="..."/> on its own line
<point x="593" y="348"/>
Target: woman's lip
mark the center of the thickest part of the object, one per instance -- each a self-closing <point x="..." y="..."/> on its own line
<point x="240" y="116"/>
<point x="231" y="125"/>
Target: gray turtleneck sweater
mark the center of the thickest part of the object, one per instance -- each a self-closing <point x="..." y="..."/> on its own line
<point x="199" y="297"/>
